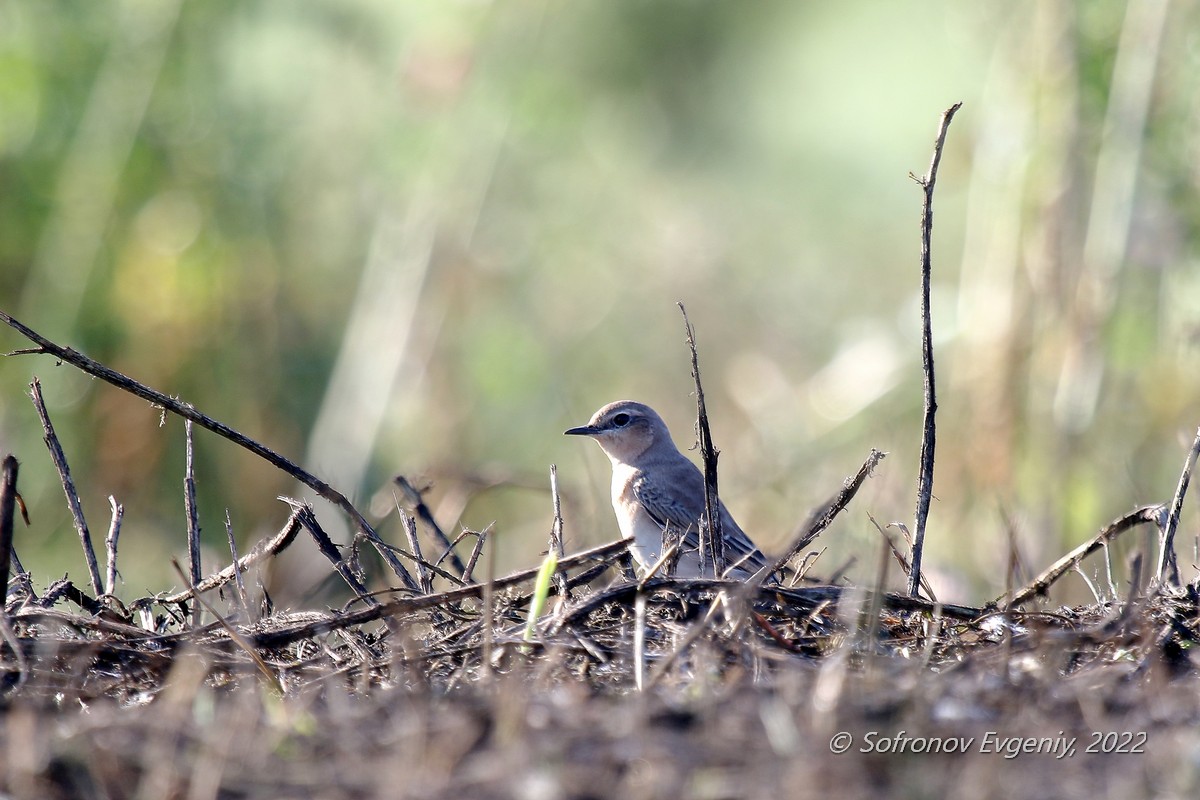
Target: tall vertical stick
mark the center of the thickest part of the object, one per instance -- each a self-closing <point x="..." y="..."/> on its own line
<point x="556" y="539"/>
<point x="110" y="545"/>
<point x="1166" y="553"/>
<point x="712" y="540"/>
<point x="193" y="518"/>
<point x="8" y="509"/>
<point x="928" y="436"/>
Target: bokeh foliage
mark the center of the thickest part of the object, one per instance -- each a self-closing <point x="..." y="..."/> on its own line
<point x="427" y="237"/>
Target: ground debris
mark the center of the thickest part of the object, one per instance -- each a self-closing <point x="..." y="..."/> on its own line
<point x="742" y="696"/>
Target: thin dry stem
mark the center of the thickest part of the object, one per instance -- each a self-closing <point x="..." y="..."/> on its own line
<point x="712" y="540"/>
<point x="261" y="551"/>
<point x="8" y="508"/>
<point x="187" y="411"/>
<point x="192" y="513"/>
<point x="64" y="474"/>
<point x="410" y="532"/>
<point x="929" y="428"/>
<point x="556" y="537"/>
<point x="1166" y="553"/>
<point x="421" y="508"/>
<point x="308" y="520"/>
<point x="110" y="545"/>
<point x="1043" y="582"/>
<point x="805" y="537"/>
<point x="235" y="564"/>
<point x="901" y="559"/>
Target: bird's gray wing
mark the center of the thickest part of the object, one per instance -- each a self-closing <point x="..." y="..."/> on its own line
<point x="681" y="507"/>
<point x="739" y="549"/>
<point x="667" y="506"/>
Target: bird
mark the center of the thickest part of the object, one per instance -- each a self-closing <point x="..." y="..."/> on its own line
<point x="655" y="488"/>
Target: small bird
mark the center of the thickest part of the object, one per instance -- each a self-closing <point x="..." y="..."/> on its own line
<point x="656" y="488"/>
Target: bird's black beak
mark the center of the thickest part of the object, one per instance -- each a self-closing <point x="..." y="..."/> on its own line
<point x="582" y="430"/>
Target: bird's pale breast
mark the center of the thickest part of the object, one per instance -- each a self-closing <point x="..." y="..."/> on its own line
<point x="635" y="523"/>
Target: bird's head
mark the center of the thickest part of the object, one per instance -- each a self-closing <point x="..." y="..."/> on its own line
<point x="625" y="430"/>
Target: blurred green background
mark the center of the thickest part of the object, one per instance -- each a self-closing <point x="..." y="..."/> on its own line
<point x="426" y="238"/>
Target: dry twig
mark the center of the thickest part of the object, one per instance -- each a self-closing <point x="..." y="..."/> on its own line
<point x="410" y="532"/>
<point x="901" y="559"/>
<point x="8" y="509"/>
<point x="1042" y="582"/>
<point x="263" y="550"/>
<point x="1166" y="551"/>
<point x="235" y="564"/>
<point x="64" y="474"/>
<point x="110" y="545"/>
<point x="193" y="517"/>
<point x="929" y="430"/>
<point x="823" y="521"/>
<point x="425" y="515"/>
<point x="187" y="411"/>
<point x="556" y="537"/>
<point x="308" y="520"/>
<point x="712" y="541"/>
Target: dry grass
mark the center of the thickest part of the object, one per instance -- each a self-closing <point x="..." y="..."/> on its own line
<point x="435" y="697"/>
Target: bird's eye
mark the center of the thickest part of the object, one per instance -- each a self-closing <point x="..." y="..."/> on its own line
<point x="621" y="420"/>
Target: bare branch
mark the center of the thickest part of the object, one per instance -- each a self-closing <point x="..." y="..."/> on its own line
<point x="410" y="531"/>
<point x="243" y="601"/>
<point x="187" y="411"/>
<point x="480" y="541"/>
<point x="308" y="520"/>
<point x="8" y="510"/>
<point x="929" y="431"/>
<point x="1042" y="582"/>
<point x="193" y="518"/>
<point x="556" y="536"/>
<point x="824" y="520"/>
<point x="64" y="474"/>
<point x="262" y="550"/>
<point x="1166" y="552"/>
<point x="421" y="508"/>
<point x="712" y="539"/>
<point x="110" y="545"/>
<point x="901" y="559"/>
